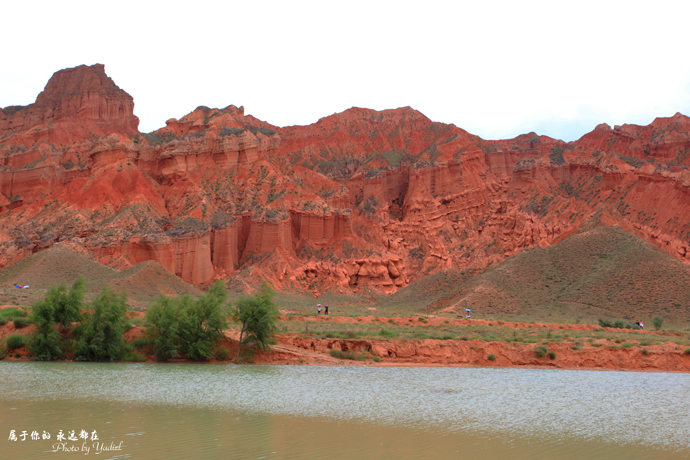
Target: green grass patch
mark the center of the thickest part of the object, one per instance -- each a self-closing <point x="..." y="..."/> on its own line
<point x="387" y="334"/>
<point x="8" y="313"/>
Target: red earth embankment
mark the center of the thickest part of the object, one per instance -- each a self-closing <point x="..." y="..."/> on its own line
<point x="429" y="352"/>
<point x="600" y="353"/>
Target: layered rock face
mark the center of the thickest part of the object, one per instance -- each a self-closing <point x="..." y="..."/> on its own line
<point x="358" y="201"/>
<point x="78" y="102"/>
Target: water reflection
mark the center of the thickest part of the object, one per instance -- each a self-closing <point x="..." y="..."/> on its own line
<point x="184" y="411"/>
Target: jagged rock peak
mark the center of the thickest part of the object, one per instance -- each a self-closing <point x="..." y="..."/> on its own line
<point x="84" y="94"/>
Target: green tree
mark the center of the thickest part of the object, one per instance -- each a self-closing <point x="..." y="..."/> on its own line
<point x="163" y="327"/>
<point x="66" y="305"/>
<point x="102" y="338"/>
<point x="45" y="340"/>
<point x="258" y="316"/>
<point x="658" y="322"/>
<point x="58" y="307"/>
<point x="202" y="322"/>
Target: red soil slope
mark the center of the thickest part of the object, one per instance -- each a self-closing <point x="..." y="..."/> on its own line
<point x="356" y="201"/>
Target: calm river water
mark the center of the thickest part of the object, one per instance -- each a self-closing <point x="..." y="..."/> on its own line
<point x="156" y="411"/>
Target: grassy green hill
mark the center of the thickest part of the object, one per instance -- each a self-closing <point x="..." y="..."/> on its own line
<point x="604" y="272"/>
<point x="424" y="294"/>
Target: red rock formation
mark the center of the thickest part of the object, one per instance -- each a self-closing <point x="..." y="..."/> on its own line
<point x="76" y="103"/>
<point x="359" y="200"/>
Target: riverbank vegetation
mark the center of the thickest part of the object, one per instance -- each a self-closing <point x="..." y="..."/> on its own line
<point x="188" y="326"/>
<point x="64" y="326"/>
<point x="207" y="328"/>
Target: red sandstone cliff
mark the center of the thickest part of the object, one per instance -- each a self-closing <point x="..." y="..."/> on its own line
<point x="359" y="200"/>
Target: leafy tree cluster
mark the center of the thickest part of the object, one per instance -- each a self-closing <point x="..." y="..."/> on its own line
<point x="97" y="337"/>
<point x="59" y="307"/>
<point x="195" y="327"/>
<point x="187" y="326"/>
<point x="191" y="326"/>
<point x="102" y="335"/>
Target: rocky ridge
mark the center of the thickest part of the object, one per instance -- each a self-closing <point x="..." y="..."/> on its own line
<point x="359" y="200"/>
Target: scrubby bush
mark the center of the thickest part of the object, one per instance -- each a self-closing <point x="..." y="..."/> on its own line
<point x="21" y="323"/>
<point x="658" y="322"/>
<point x="351" y="355"/>
<point x="15" y="341"/>
<point x="540" y="352"/>
<point x="102" y="338"/>
<point x="618" y="324"/>
<point x="492" y="357"/>
<point x="646" y="352"/>
<point x="552" y="355"/>
<point x="135" y="357"/>
<point x="6" y="314"/>
<point x="687" y="351"/>
<point x="341" y="354"/>
<point x="222" y="354"/>
<point x="386" y="333"/>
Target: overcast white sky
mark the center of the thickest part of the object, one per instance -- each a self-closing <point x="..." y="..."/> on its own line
<point x="497" y="69"/>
